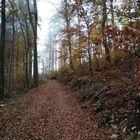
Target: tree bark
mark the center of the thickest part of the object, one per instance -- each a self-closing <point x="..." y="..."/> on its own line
<point x="67" y="18"/>
<point x="11" y="59"/>
<point x="2" y="45"/>
<point x="34" y="23"/>
<point x="36" y="80"/>
<point x="104" y="19"/>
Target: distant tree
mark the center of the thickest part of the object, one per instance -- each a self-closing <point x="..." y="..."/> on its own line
<point x="104" y="19"/>
<point x="66" y="13"/>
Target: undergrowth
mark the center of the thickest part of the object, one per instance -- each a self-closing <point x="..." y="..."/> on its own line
<point x="109" y="94"/>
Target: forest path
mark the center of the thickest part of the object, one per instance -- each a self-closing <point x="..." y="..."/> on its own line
<point x="49" y="112"/>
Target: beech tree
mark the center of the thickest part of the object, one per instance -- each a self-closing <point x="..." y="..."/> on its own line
<point x="20" y="48"/>
<point x="34" y="23"/>
<point x="104" y="19"/>
<point x="11" y="55"/>
<point x="96" y="31"/>
<point x="66" y="12"/>
<point x="2" y="46"/>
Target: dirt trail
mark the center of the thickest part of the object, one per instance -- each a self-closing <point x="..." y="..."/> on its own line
<point x="48" y="112"/>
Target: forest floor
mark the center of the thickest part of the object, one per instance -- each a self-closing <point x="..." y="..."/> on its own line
<point x="49" y="112"/>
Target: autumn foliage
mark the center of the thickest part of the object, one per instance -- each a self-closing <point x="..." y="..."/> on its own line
<point x="103" y="49"/>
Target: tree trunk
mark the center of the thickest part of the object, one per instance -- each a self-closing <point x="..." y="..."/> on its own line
<point x="36" y="80"/>
<point x="27" y="55"/>
<point x="11" y="59"/>
<point x="105" y="45"/>
<point x="89" y="52"/>
<point x="112" y="13"/>
<point x="67" y="18"/>
<point x="30" y="67"/>
<point x="34" y="22"/>
<point x="2" y="45"/>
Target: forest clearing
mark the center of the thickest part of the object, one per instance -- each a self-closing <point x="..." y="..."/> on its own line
<point x="70" y="70"/>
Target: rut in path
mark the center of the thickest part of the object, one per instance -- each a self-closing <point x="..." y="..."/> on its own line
<point x="48" y="112"/>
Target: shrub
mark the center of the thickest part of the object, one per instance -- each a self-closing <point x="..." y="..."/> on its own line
<point x="65" y="74"/>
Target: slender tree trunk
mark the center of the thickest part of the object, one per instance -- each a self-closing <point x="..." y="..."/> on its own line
<point x="89" y="48"/>
<point x="2" y="45"/>
<point x="112" y="13"/>
<point x="113" y="37"/>
<point x="36" y="80"/>
<point x="25" y="45"/>
<point x="17" y="62"/>
<point x="10" y="71"/>
<point x="27" y="55"/>
<point x="28" y="52"/>
<point x="34" y="22"/>
<point x="35" y="74"/>
<point x="79" y="42"/>
<point x="10" y="68"/>
<point x="104" y="19"/>
<point x="89" y="53"/>
<point x="67" y="18"/>
<point x="70" y="53"/>
<point x="30" y="67"/>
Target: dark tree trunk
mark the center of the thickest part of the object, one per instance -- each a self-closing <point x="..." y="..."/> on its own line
<point x="27" y="55"/>
<point x="105" y="45"/>
<point x="89" y="52"/>
<point x="36" y="80"/>
<point x="30" y="67"/>
<point x="28" y="52"/>
<point x="34" y="22"/>
<point x="112" y="13"/>
<point x="11" y="59"/>
<point x="67" y="18"/>
<point x="2" y="44"/>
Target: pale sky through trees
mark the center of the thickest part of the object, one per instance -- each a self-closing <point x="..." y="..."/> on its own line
<point x="45" y="9"/>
